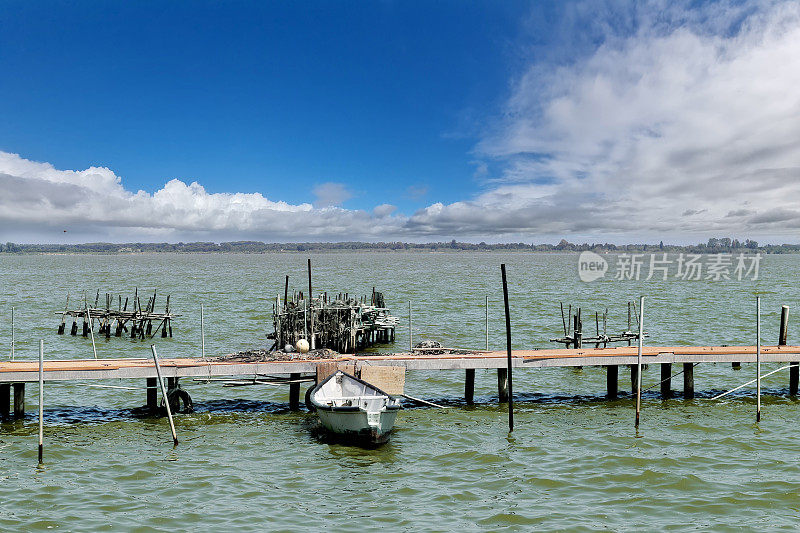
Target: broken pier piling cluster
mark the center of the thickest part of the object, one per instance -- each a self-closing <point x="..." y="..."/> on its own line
<point x="138" y="321"/>
<point x="342" y="322"/>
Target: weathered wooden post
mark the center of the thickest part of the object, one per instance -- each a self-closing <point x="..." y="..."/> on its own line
<point x="508" y="353"/>
<point x="612" y="380"/>
<point x="41" y="401"/>
<point x="469" y="386"/>
<point x="151" y="393"/>
<point x="5" y="400"/>
<point x="639" y="361"/>
<point x="758" y="358"/>
<point x="164" y="395"/>
<point x="19" y="400"/>
<point x="666" y="380"/>
<point x="794" y="366"/>
<point x="688" y="380"/>
<point x="294" y="392"/>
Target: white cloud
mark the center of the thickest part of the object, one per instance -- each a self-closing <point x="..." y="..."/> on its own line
<point x="684" y="110"/>
<point x="39" y="200"/>
<point x="331" y="194"/>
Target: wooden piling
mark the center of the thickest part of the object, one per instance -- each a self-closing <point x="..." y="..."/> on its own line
<point x="294" y="392"/>
<point x="203" y="333"/>
<point x="502" y="384"/>
<point x="410" y="330"/>
<point x="508" y="352"/>
<point x="634" y="379"/>
<point x="487" y="323"/>
<point x="612" y="380"/>
<point x="152" y="394"/>
<point x="5" y="400"/>
<point x="688" y="380"/>
<point x="41" y="401"/>
<point x="666" y="380"/>
<point x="311" y="308"/>
<point x="469" y="386"/>
<point x="19" y="400"/>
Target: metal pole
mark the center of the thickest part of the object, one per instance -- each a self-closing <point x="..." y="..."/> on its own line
<point x="410" y="331"/>
<point x="12" y="333"/>
<point x="487" y="323"/>
<point x="41" y="401"/>
<point x="164" y="394"/>
<point x="758" y="358"/>
<point x="311" y="308"/>
<point x="508" y="352"/>
<point x="639" y="361"/>
<point x="91" y="329"/>
<point x="202" y="333"/>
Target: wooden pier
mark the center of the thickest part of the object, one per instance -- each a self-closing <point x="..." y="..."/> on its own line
<point x="15" y="374"/>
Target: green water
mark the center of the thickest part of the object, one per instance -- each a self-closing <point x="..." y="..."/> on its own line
<point x="573" y="462"/>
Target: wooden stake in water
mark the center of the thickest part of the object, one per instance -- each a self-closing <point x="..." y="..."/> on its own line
<point x="202" y="333"/>
<point x="639" y="361"/>
<point x="487" y="323"/>
<point x="41" y="401"/>
<point x="410" y="330"/>
<point x="164" y="395"/>
<point x="508" y="352"/>
<point x="758" y="358"/>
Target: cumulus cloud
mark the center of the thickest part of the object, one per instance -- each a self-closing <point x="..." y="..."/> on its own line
<point x="331" y="194"/>
<point x="37" y="199"/>
<point x="681" y="110"/>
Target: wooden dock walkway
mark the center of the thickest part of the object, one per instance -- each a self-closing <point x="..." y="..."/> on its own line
<point x="87" y="369"/>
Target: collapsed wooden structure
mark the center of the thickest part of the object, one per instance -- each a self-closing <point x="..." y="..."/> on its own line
<point x="138" y="321"/>
<point x="573" y="330"/>
<point x="341" y="323"/>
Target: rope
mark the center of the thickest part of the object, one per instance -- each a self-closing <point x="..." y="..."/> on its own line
<point x="750" y="382"/>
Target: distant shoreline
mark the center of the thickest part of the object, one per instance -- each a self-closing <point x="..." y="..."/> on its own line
<point x="713" y="246"/>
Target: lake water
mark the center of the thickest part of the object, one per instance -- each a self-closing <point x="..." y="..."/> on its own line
<point x="573" y="462"/>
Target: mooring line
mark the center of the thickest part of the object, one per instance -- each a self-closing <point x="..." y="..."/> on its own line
<point x="750" y="382"/>
<point x="667" y="379"/>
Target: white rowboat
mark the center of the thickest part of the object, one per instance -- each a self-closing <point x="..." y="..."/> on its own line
<point x="352" y="408"/>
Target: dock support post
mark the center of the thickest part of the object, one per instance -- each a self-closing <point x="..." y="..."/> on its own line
<point x="5" y="400"/>
<point x="41" y="401"/>
<point x="666" y="380"/>
<point x="469" y="386"/>
<point x="19" y="400"/>
<point x="294" y="392"/>
<point x="612" y="380"/>
<point x="502" y="384"/>
<point x="758" y="358"/>
<point x="152" y="394"/>
<point x="688" y="380"/>
<point x="634" y="379"/>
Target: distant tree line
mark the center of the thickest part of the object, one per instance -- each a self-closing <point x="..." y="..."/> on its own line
<point x="712" y="246"/>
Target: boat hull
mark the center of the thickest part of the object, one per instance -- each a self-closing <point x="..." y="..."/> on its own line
<point x="355" y="424"/>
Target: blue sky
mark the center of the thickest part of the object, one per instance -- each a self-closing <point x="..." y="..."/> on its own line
<point x="264" y="96"/>
<point x="606" y="120"/>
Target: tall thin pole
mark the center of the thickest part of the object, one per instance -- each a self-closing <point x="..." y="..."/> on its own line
<point x="758" y="358"/>
<point x="508" y="352"/>
<point x="41" y="401"/>
<point x="639" y="361"/>
<point x="12" y="333"/>
<point x="311" y="308"/>
<point x="91" y="329"/>
<point x="285" y="291"/>
<point x="202" y="333"/>
<point x="487" y="323"/>
<point x="164" y="395"/>
<point x="410" y="330"/>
